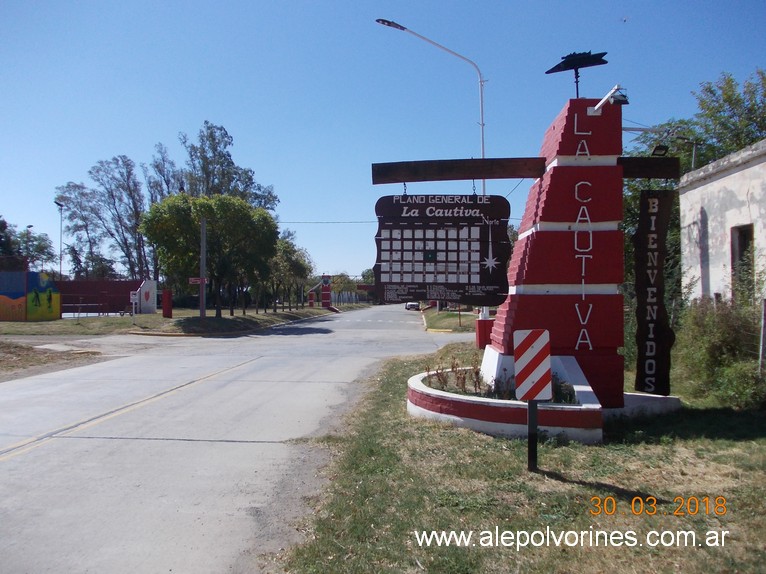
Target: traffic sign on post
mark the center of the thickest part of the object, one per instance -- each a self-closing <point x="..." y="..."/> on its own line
<point x="532" y="361"/>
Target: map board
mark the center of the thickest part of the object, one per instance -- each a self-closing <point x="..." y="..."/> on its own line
<point x="451" y="248"/>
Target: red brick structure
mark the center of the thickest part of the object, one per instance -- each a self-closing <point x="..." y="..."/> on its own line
<point x="568" y="262"/>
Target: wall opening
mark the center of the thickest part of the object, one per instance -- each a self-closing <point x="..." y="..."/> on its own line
<point x="742" y="262"/>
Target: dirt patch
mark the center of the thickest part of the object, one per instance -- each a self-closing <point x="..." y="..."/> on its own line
<point x="17" y="361"/>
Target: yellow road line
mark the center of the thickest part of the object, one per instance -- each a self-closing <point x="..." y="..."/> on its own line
<point x="33" y="442"/>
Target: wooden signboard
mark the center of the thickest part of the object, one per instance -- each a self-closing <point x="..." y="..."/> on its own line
<point x="654" y="336"/>
<point x="442" y="247"/>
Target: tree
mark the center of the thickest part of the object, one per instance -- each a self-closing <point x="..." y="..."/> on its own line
<point x="173" y="227"/>
<point x="162" y="179"/>
<point x="119" y="207"/>
<point x="82" y="225"/>
<point x="37" y="248"/>
<point x="161" y="176"/>
<point x="90" y="265"/>
<point x="212" y="171"/>
<point x="728" y="120"/>
<point x="11" y="258"/>
<point x="25" y="250"/>
<point x="240" y="239"/>
<point x="290" y="269"/>
<point x="731" y="118"/>
<point x="343" y="286"/>
<point x="111" y="210"/>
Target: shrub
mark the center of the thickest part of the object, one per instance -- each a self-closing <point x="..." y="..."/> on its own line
<point x="741" y="386"/>
<point x="715" y="350"/>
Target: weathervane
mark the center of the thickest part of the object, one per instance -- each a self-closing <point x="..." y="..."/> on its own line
<point x="575" y="61"/>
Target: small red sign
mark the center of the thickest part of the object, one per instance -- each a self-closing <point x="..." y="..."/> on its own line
<point x="197" y="280"/>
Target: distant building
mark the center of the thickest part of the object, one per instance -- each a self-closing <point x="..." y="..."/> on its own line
<point x="723" y="220"/>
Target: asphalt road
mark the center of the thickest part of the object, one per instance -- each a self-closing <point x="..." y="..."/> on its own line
<point x="182" y="454"/>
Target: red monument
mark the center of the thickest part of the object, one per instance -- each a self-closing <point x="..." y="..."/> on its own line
<point x="567" y="264"/>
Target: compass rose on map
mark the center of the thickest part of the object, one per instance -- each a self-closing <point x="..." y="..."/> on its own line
<point x="490" y="262"/>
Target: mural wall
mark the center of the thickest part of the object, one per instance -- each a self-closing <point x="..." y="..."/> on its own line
<point x="28" y="296"/>
<point x="13" y="296"/>
<point x="43" y="298"/>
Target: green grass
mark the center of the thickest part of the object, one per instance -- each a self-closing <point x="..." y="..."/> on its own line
<point x="184" y="321"/>
<point x="394" y="475"/>
<point x="462" y="322"/>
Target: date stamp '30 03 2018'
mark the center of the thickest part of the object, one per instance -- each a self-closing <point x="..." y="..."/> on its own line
<point x="648" y="506"/>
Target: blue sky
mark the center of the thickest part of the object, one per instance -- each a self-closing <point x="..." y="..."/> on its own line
<point x="313" y="93"/>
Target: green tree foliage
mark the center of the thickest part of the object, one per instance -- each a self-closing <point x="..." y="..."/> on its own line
<point x="84" y="228"/>
<point x="8" y="242"/>
<point x="111" y="210"/>
<point x="368" y="276"/>
<point x="37" y="248"/>
<point x="289" y="270"/>
<point x="118" y="207"/>
<point x="240" y="240"/>
<point x="212" y="171"/>
<point x="716" y="343"/>
<point x="173" y="227"/>
<point x="90" y="265"/>
<point x="10" y="254"/>
<point x="344" y="288"/>
<point x="162" y="177"/>
<point x="731" y="117"/>
<point x="25" y="250"/>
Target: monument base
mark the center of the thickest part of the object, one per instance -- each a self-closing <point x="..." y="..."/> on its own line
<point x="497" y="367"/>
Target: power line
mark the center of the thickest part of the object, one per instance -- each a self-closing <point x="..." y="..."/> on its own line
<point x="325" y="222"/>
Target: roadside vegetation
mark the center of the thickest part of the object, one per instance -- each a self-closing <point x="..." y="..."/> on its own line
<point x="458" y="321"/>
<point x="700" y="470"/>
<point x="184" y="321"/>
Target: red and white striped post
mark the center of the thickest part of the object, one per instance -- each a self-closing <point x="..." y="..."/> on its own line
<point x="532" y="363"/>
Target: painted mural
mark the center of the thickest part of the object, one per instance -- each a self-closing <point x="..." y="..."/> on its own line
<point x="43" y="298"/>
<point x="28" y="296"/>
<point x="13" y="294"/>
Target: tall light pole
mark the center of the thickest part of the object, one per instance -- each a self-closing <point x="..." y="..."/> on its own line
<point x="61" y="233"/>
<point x="28" y="237"/>
<point x="396" y="26"/>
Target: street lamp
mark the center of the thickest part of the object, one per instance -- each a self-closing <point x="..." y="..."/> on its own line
<point x="694" y="144"/>
<point x="396" y="26"/>
<point x="61" y="233"/>
<point x="28" y="237"/>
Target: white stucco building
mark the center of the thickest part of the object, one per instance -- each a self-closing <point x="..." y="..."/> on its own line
<point x="723" y="214"/>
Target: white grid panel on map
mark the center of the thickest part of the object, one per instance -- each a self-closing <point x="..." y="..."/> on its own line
<point x="430" y="254"/>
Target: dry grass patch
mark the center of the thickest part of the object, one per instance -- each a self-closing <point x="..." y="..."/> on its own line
<point x="24" y="360"/>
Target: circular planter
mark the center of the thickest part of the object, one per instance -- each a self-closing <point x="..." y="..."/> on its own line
<point x="581" y="423"/>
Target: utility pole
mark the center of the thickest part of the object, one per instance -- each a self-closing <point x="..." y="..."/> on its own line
<point x="202" y="266"/>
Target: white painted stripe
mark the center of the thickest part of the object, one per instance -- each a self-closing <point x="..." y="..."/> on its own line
<point x="543" y="393"/>
<point x="565" y="289"/>
<point x="542" y="340"/>
<point x="583" y="161"/>
<point x="571" y="226"/>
